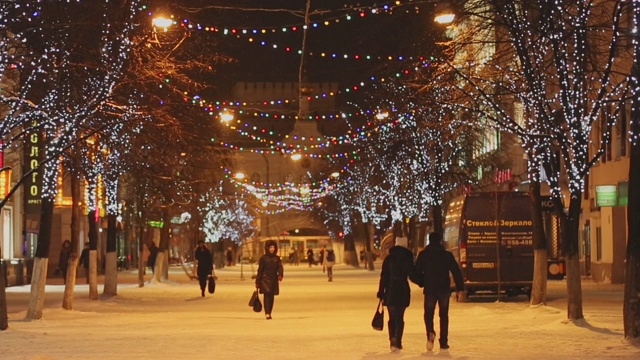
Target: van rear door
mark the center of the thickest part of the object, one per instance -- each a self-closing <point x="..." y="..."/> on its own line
<point x="479" y="231"/>
<point x="516" y="238"/>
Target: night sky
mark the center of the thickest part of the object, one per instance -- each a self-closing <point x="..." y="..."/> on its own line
<point x="406" y="31"/>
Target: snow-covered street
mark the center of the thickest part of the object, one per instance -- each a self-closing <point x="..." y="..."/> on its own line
<point x="312" y="319"/>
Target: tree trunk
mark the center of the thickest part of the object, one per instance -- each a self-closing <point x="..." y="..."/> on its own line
<point x="140" y="215"/>
<point x="140" y="252"/>
<point x="39" y="276"/>
<point x="350" y="254"/>
<point x="539" y="287"/>
<point x="161" y="272"/>
<point x="631" y="306"/>
<point x="93" y="255"/>
<point x="438" y="222"/>
<point x="111" y="258"/>
<point x="367" y="245"/>
<point x="69" y="288"/>
<point x="572" y="258"/>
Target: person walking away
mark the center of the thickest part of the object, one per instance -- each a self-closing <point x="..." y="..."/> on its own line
<point x="310" y="256"/>
<point x="394" y="288"/>
<point x="153" y="254"/>
<point x="229" y="256"/>
<point x="296" y="258"/>
<point x="321" y="257"/>
<point x="270" y="273"/>
<point x="329" y="261"/>
<point x="84" y="260"/>
<point x="204" y="265"/>
<point x="63" y="260"/>
<point x="432" y="268"/>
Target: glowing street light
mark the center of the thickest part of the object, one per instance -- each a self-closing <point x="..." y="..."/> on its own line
<point x="296" y="157"/>
<point x="226" y="116"/>
<point x="162" y="22"/>
<point x="382" y="115"/>
<point x="444" y="14"/>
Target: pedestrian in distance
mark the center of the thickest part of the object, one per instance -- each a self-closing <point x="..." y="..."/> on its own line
<point x="394" y="288"/>
<point x="204" y="265"/>
<point x="433" y="266"/>
<point x="270" y="273"/>
<point x="84" y="260"/>
<point x="321" y="256"/>
<point x="310" y="256"/>
<point x="329" y="261"/>
<point x="63" y="260"/>
<point x="229" y="256"/>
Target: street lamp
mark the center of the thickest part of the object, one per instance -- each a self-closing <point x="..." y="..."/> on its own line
<point x="226" y="116"/>
<point x="444" y="14"/>
<point x="162" y="22"/>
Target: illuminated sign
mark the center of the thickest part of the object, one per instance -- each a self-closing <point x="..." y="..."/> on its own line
<point x="33" y="183"/>
<point x="5" y="183"/>
<point x="606" y="195"/>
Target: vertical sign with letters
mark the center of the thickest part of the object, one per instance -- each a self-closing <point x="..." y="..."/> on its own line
<point x="33" y="183"/>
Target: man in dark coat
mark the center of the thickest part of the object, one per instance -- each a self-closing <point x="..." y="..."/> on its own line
<point x="204" y="262"/>
<point x="432" y="268"/>
<point x="394" y="288"/>
<point x="270" y="274"/>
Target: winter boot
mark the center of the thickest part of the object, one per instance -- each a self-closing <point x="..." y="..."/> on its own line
<point x="399" y="331"/>
<point x="391" y="325"/>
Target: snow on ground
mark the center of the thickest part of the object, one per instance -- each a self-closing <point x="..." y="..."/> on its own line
<point x="312" y="319"/>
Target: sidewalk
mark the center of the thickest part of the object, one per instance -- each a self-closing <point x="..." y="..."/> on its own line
<point x="313" y="319"/>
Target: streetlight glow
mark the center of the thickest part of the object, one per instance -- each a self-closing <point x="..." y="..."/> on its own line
<point x="445" y="18"/>
<point x="226" y="116"/>
<point x="162" y="22"/>
<point x="239" y="176"/>
<point x="382" y="115"/>
<point x="296" y="157"/>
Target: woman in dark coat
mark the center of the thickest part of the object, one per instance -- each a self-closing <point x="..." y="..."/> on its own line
<point x="204" y="262"/>
<point x="63" y="261"/>
<point x="270" y="274"/>
<point x="394" y="288"/>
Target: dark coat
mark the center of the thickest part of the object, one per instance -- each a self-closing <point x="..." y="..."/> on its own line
<point x="396" y="267"/>
<point x="63" y="261"/>
<point x="433" y="266"/>
<point x="270" y="271"/>
<point x="205" y="261"/>
<point x="84" y="258"/>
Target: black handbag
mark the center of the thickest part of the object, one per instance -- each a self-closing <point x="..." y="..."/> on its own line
<point x="255" y="302"/>
<point x="211" y="285"/>
<point x="378" y="318"/>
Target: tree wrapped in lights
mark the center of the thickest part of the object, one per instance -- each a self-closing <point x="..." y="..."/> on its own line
<point x="416" y="154"/>
<point x="68" y="71"/>
<point x="559" y="61"/>
<point x="226" y="218"/>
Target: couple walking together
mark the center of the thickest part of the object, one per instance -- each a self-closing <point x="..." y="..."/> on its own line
<point x="431" y="272"/>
